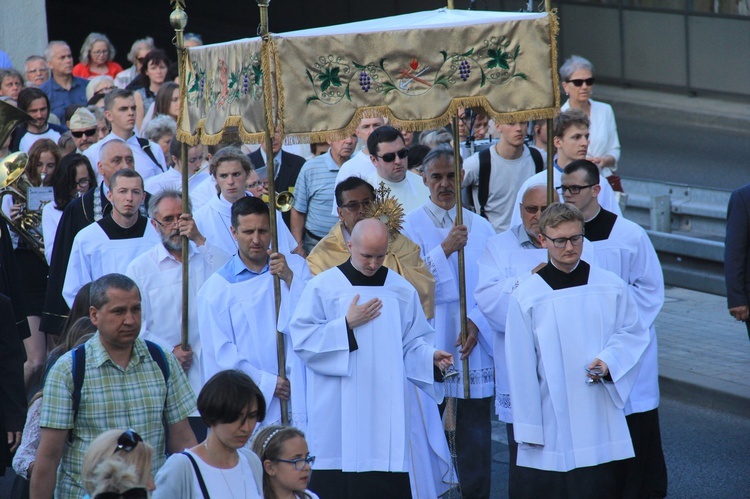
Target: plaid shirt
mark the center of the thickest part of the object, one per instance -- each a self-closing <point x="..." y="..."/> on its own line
<point x="112" y="397"/>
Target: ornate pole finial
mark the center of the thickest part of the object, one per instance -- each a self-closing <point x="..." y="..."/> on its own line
<point x="263" y="6"/>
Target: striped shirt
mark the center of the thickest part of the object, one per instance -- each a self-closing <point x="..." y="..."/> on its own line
<point x="112" y="397"/>
<point x="313" y="193"/>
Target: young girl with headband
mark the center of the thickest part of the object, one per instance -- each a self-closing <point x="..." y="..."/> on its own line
<point x="287" y="463"/>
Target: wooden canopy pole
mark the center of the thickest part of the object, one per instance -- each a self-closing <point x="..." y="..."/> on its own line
<point x="270" y="170"/>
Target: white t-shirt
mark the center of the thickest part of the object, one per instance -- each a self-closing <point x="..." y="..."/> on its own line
<point x="226" y="483"/>
<point x="29" y="138"/>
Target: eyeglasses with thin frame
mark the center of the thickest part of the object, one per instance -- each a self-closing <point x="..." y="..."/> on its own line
<point x="579" y="82"/>
<point x="167" y="221"/>
<point x="300" y="462"/>
<point x="128" y="440"/>
<point x="356" y="205"/>
<point x="84" y="182"/>
<point x="100" y="52"/>
<point x="532" y="210"/>
<point x="80" y="133"/>
<point x="561" y="242"/>
<point x="390" y="157"/>
<point x="574" y="189"/>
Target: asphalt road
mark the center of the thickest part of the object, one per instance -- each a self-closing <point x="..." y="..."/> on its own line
<point x="706" y="453"/>
<point x="657" y="148"/>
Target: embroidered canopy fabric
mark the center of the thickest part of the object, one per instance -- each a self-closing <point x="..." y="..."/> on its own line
<point x="416" y="69"/>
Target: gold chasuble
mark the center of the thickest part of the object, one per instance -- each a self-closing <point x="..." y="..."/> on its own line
<point x="403" y="258"/>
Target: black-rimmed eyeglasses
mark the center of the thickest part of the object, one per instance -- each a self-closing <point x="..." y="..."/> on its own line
<point x="561" y="242"/>
<point x="573" y="189"/>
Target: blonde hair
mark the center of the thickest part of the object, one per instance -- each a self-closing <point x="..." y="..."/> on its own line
<point x="95" y="474"/>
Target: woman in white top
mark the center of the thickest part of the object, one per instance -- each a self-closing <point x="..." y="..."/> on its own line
<point x="287" y="463"/>
<point x="230" y="404"/>
<point x="577" y="76"/>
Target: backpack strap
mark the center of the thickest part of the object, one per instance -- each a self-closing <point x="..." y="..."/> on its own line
<point x="146" y="147"/>
<point x="485" y="167"/>
<point x="79" y="372"/>
<point x="157" y="354"/>
<point x="537" y="157"/>
<point x="198" y="475"/>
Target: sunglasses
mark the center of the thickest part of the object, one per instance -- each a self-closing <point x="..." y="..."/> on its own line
<point x="136" y="493"/>
<point x="128" y="440"/>
<point x="80" y="133"/>
<point x="531" y="210"/>
<point x="579" y="83"/>
<point x="390" y="157"/>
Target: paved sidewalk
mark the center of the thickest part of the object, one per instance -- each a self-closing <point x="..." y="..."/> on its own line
<point x="704" y="354"/>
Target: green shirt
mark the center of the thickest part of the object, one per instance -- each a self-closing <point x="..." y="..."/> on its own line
<point x="112" y="397"/>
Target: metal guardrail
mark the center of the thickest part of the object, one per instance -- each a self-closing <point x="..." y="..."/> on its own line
<point x="686" y="225"/>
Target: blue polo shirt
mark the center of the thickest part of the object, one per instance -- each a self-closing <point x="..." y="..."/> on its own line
<point x="60" y="99"/>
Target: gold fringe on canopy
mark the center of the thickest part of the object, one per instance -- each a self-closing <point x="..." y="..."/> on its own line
<point x="317" y="87"/>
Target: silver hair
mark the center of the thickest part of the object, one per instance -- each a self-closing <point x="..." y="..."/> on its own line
<point x="90" y="41"/>
<point x="159" y="127"/>
<point x="573" y="64"/>
<point x="32" y="58"/>
<point x="153" y="204"/>
<point x="94" y="83"/>
<point x="435" y="138"/>
<point x="99" y="288"/>
<point x="195" y="37"/>
<point x="97" y="112"/>
<point x="48" y="50"/>
<point x="108" y="145"/>
<point x="147" y="42"/>
<point x="440" y="152"/>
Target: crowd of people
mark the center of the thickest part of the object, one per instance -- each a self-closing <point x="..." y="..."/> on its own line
<point x="355" y="367"/>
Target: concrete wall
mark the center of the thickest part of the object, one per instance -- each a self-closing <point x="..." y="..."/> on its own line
<point x="23" y="29"/>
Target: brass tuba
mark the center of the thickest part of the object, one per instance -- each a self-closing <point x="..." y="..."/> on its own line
<point x="14" y="182"/>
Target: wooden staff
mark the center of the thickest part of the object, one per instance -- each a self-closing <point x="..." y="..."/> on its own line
<point x="178" y="20"/>
<point x="550" y="142"/>
<point x="461" y="262"/>
<point x="270" y="170"/>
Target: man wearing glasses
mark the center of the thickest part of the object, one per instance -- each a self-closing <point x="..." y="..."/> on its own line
<point x="388" y="153"/>
<point x="82" y="127"/>
<point x="35" y="70"/>
<point x="158" y="273"/>
<point x="572" y="341"/>
<point x="353" y="197"/>
<point x="624" y="248"/>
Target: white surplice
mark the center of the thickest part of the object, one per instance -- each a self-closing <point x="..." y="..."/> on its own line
<point x="238" y="331"/>
<point x="560" y="421"/>
<point x="503" y="265"/>
<point x="159" y="277"/>
<point x="94" y="254"/>
<point x="628" y="252"/>
<point x="419" y="226"/>
<point x="214" y="221"/>
<point x="358" y="414"/>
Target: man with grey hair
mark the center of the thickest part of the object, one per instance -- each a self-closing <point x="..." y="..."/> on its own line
<point x="81" y="212"/>
<point x="111" y="243"/>
<point x="119" y="109"/>
<point x="114" y="380"/>
<point x="36" y="71"/>
<point x="63" y="89"/>
<point x="137" y="52"/>
<point x="433" y="227"/>
<point x="158" y="273"/>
